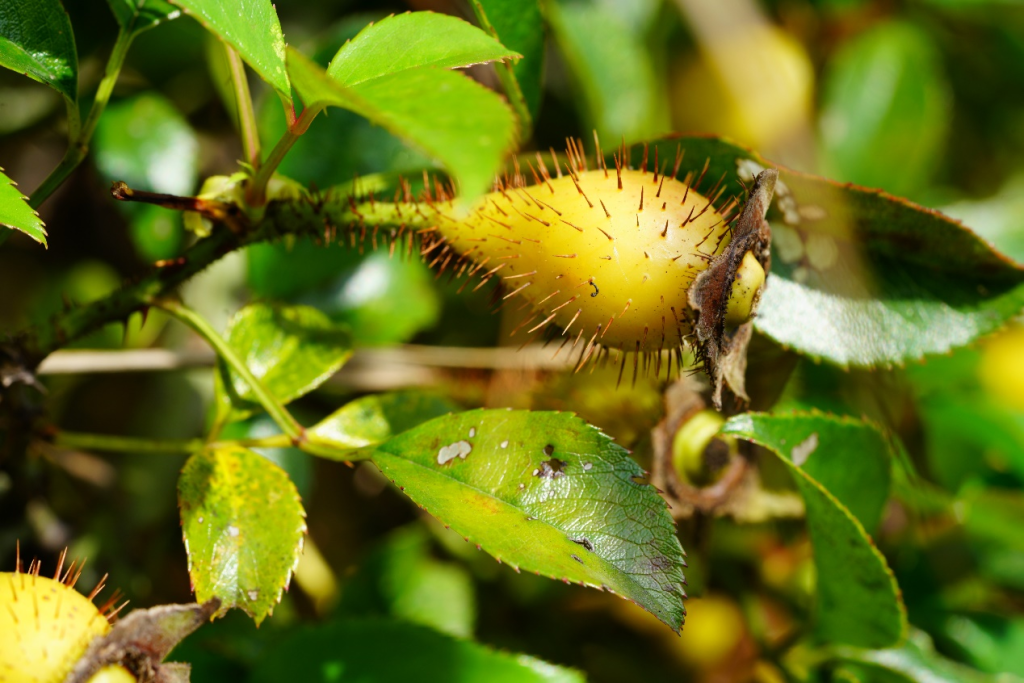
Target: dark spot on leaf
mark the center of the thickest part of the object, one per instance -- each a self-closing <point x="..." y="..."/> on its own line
<point x="549" y="449"/>
<point x="585" y="542"/>
<point x="576" y="558"/>
<point x="660" y="562"/>
<point x="551" y="469"/>
<point x="640" y="479"/>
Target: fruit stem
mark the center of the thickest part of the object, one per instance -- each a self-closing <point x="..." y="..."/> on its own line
<point x="288" y="424"/>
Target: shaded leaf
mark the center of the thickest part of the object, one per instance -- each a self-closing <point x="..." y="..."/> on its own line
<point x="859" y="277"/>
<point x="364" y="651"/>
<point x="413" y="40"/>
<point x="136" y="16"/>
<point x="36" y="40"/>
<point x="373" y="419"/>
<point x="461" y="123"/>
<point x="291" y="349"/>
<point x="16" y="213"/>
<point x="548" y="493"/>
<point x="519" y="25"/>
<point x="401" y="579"/>
<point x="243" y="526"/>
<point x="621" y="93"/>
<point x="252" y="28"/>
<point x="916" y="662"/>
<point x="859" y="602"/>
<point x="885" y="109"/>
<point x="990" y="642"/>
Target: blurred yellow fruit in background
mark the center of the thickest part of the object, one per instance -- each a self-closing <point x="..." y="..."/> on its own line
<point x="1002" y="367"/>
<point x="754" y="84"/>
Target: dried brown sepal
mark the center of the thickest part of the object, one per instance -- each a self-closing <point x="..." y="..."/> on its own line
<point x="721" y="350"/>
<point x="140" y="641"/>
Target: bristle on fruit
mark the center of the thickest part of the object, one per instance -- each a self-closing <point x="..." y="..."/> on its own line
<point x="606" y="258"/>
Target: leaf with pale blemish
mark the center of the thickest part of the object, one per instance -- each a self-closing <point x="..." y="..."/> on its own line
<point x="548" y="493"/>
<point x="843" y="461"/>
<point x="243" y="525"/>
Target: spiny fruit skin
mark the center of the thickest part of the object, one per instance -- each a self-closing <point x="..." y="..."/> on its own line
<point x="603" y="254"/>
<point x="45" y="626"/>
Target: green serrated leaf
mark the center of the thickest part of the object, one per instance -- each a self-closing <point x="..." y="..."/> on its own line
<point x="373" y="419"/>
<point x="885" y="109"/>
<point x="519" y="25"/>
<point x="850" y="458"/>
<point x="253" y="29"/>
<point x="365" y="651"/>
<point x="36" y="39"/>
<point x="243" y="526"/>
<point x="612" y="65"/>
<point x="136" y="16"/>
<point x="16" y="213"/>
<point x="548" y="493"/>
<point x="461" y="123"/>
<point x="859" y="277"/>
<point x="410" y="41"/>
<point x="290" y="349"/>
<point x="859" y="602"/>
<point x="915" y="661"/>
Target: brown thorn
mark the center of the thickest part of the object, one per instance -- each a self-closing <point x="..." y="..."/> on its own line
<point x="571" y="225"/>
<point x="495" y="220"/>
<point x="541" y="323"/>
<point x="60" y="563"/>
<point x="566" y="303"/>
<point x="513" y="277"/>
<point x="641" y="197"/>
<point x="643" y="164"/>
<point x="680" y="153"/>
<point x="608" y="215"/>
<point x="554" y="159"/>
<point x="565" y="255"/>
<point x="659" y="189"/>
<point x="566" y="329"/>
<point x="526" y="321"/>
<point x="610" y="238"/>
<point x="707" y="164"/>
<point x="512" y="294"/>
<point x="548" y="296"/>
<point x="655" y="167"/>
<point x="665" y="231"/>
<point x="100" y="585"/>
<point x="600" y="157"/>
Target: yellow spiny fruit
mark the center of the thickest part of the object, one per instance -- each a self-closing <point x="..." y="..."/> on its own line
<point x="607" y="255"/>
<point x="45" y="626"/>
<point x="625" y="259"/>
